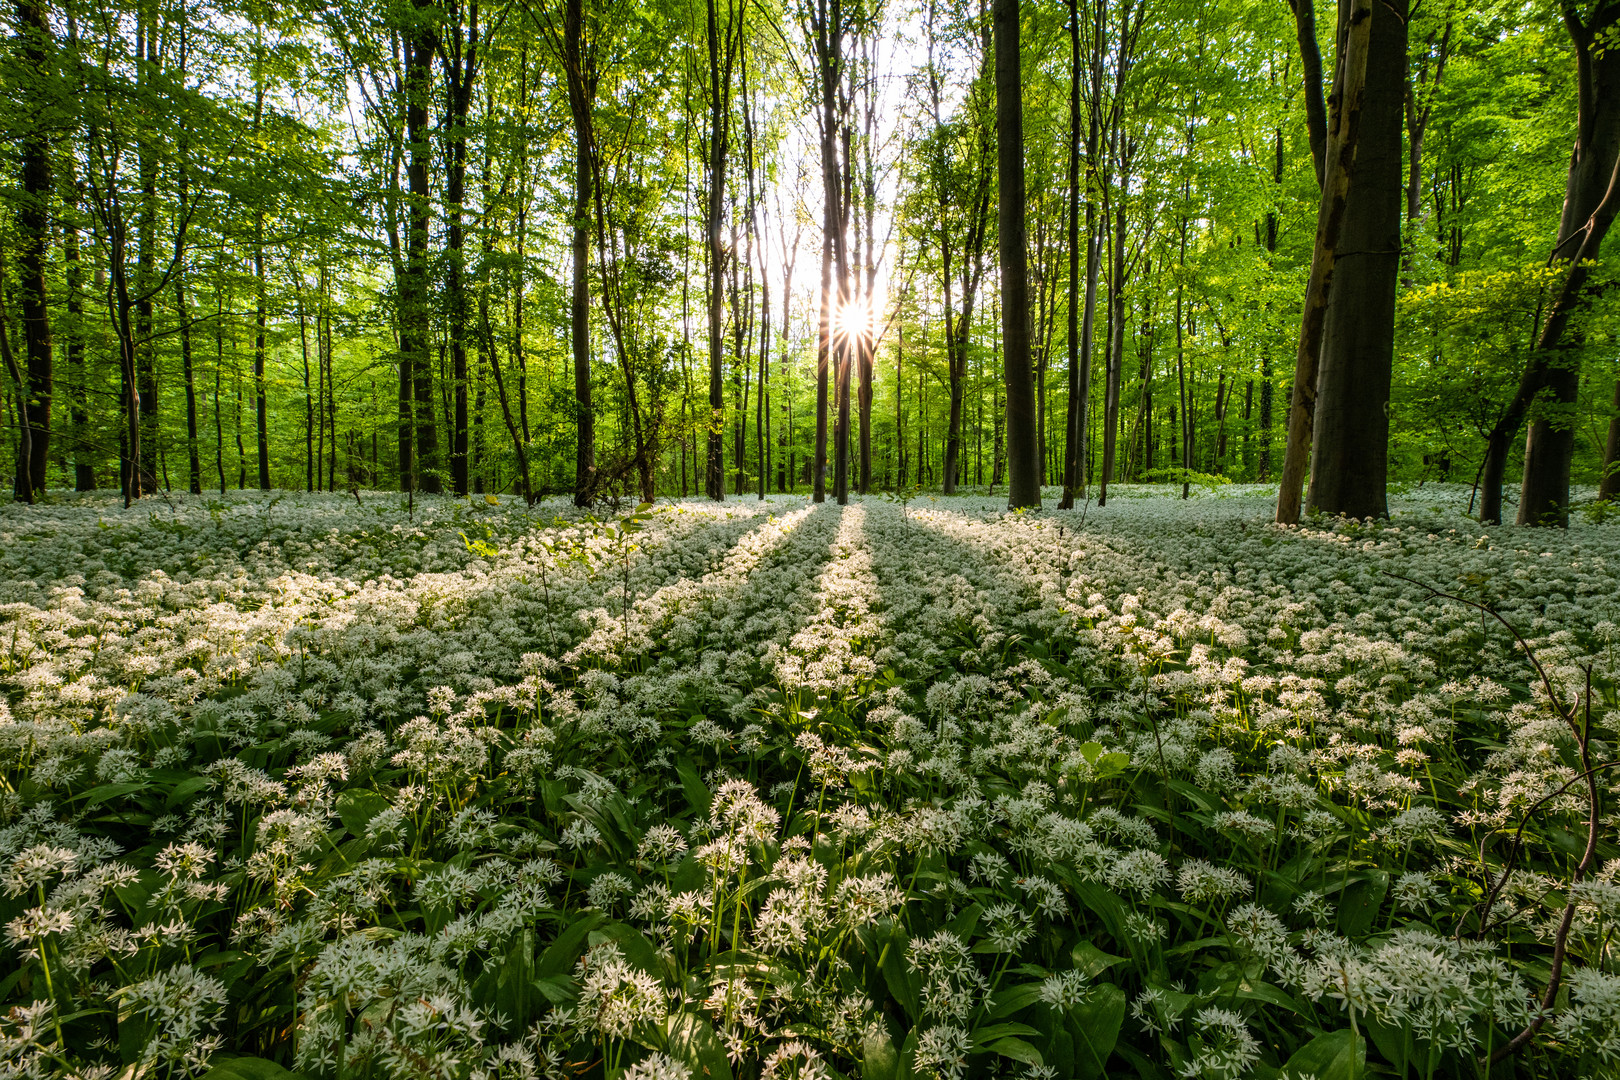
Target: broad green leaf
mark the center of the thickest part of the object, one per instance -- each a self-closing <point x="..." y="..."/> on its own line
<point x="1331" y="1056"/>
<point x="249" y="1068"/>
<point x="1017" y="1050"/>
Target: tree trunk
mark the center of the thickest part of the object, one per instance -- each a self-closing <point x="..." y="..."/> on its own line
<point x="84" y="476"/>
<point x="1310" y="54"/>
<point x="1349" y="100"/>
<point x="33" y="227"/>
<point x="461" y="71"/>
<point x="1350" y="444"/>
<point x="1024" y="463"/>
<point x="1074" y="416"/>
<point x="1116" y="355"/>
<point x="581" y="91"/>
<point x="1550" y="380"/>
<point x="818" y="467"/>
<point x="415" y="337"/>
<point x="147" y="153"/>
<point x="1609" y="485"/>
<point x="722" y="43"/>
<point x="193" y="449"/>
<point x="309" y="394"/>
<point x="260" y="407"/>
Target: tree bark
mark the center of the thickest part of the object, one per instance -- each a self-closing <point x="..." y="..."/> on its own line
<point x="723" y="44"/>
<point x="1609" y="485"/>
<point x="1350" y="437"/>
<point x="579" y="73"/>
<point x="1551" y="378"/>
<point x="1024" y="463"/>
<point x="461" y="72"/>
<point x="1074" y="418"/>
<point x="420" y="45"/>
<point x="1310" y="55"/>
<point x="1341" y="153"/>
<point x="84" y="476"/>
<point x="33" y="227"/>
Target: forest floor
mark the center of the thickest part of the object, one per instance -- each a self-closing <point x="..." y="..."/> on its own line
<point x="767" y="789"/>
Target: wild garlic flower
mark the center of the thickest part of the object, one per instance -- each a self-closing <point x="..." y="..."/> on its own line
<point x="656" y="1066"/>
<point x="615" y="996"/>
<point x="1065" y="990"/>
<point x="1201" y="882"/>
<point x="1226" y="1049"/>
<point x="942" y="1051"/>
<point x="952" y="985"/>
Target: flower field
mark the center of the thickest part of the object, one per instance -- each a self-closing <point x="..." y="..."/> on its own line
<point x="892" y="791"/>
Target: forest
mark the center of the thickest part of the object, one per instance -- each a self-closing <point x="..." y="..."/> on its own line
<point x="809" y="540"/>
<point x="632" y="250"/>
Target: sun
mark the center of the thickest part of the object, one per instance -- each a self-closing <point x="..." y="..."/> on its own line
<point x="859" y="314"/>
<point x="852" y="318"/>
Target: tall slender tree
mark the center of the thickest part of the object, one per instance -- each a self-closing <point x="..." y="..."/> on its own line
<point x="1024" y="462"/>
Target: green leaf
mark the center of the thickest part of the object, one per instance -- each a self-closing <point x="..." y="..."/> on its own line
<point x="690" y="1039"/>
<point x="879" y="1059"/>
<point x="250" y="1068"/>
<point x="1360" y="901"/>
<point x="633" y="944"/>
<point x="697" y="792"/>
<point x="1015" y="998"/>
<point x="1094" y="1025"/>
<point x="994" y="1032"/>
<point x="1017" y="1050"/>
<point x="104" y="792"/>
<point x="185" y="789"/>
<point x="1332" y="1056"/>
<point x="1091" y="961"/>
<point x="356" y="807"/>
<point x="903" y="983"/>
<point x="560" y="955"/>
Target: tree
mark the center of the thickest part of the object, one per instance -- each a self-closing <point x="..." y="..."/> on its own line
<point x="1338" y="173"/>
<point x="1023" y="449"/>
<point x="33" y="227"/>
<point x="724" y="38"/>
<point x="1350" y="436"/>
<point x="1551" y="378"/>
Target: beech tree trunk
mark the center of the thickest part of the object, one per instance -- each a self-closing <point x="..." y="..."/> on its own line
<point x="419" y="447"/>
<point x="722" y="54"/>
<point x="581" y="91"/>
<point x="1024" y="462"/>
<point x="1079" y="382"/>
<point x="1350" y="443"/>
<point x="461" y="71"/>
<point x="1343" y="133"/>
<point x="33" y="228"/>
<point x="1551" y="378"/>
<point x="1609" y="486"/>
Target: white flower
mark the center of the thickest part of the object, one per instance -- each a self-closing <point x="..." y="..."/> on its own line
<point x="1203" y="883"/>
<point x="942" y="1051"/>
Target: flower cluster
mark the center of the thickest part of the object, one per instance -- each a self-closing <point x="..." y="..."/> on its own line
<point x="773" y="789"/>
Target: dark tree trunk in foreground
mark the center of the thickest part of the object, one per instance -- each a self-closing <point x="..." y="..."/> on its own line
<point x="581" y="90"/>
<point x="1551" y="379"/>
<point x="33" y="228"/>
<point x="1024" y="479"/>
<point x="1343" y="134"/>
<point x="827" y="30"/>
<point x="461" y="72"/>
<point x="1349" y="452"/>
